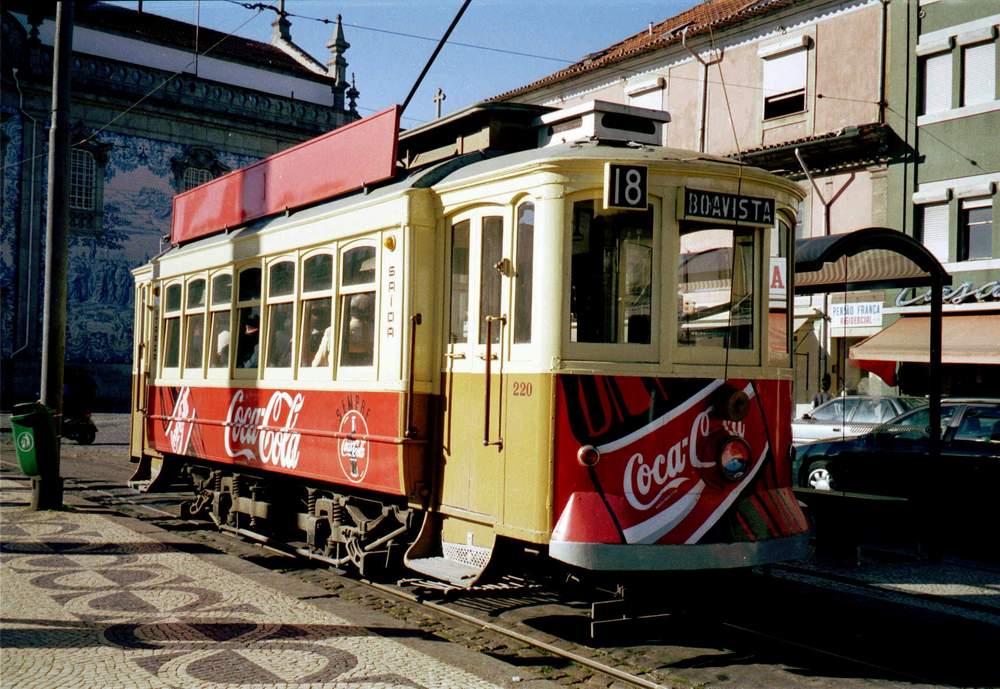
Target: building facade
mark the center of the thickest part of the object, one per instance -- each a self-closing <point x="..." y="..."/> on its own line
<point x="885" y="111"/>
<point x="157" y="107"/>
<point x="796" y="87"/>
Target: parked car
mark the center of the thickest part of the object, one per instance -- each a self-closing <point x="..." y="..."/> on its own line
<point x="894" y="459"/>
<point x="846" y="417"/>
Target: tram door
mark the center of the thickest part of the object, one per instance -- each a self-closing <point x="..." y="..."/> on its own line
<point x="473" y="375"/>
<point x="141" y="361"/>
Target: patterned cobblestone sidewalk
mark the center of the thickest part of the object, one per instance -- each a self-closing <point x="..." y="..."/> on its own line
<point x="95" y="601"/>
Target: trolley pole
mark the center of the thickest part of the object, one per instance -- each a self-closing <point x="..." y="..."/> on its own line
<point x="46" y="488"/>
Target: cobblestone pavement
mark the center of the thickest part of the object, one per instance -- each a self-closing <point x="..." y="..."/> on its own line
<point x="96" y="601"/>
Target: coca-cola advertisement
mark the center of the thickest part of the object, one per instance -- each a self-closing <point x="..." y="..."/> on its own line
<point x="342" y="437"/>
<point x="656" y="461"/>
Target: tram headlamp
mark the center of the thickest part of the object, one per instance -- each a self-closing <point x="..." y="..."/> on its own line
<point x="730" y="404"/>
<point x="734" y="458"/>
<point x="588" y="455"/>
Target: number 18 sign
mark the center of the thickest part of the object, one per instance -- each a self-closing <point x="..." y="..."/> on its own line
<point x="625" y="186"/>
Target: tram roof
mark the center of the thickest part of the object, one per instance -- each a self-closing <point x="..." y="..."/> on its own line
<point x="464" y="167"/>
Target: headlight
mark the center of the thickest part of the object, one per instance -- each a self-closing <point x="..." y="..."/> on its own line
<point x="734" y="458"/>
<point x="588" y="455"/>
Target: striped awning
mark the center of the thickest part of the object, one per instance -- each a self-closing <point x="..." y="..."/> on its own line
<point x="965" y="339"/>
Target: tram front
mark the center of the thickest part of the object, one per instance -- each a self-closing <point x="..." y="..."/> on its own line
<point x="673" y="380"/>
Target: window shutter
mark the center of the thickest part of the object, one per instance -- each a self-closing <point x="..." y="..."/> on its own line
<point x="785" y="73"/>
<point x="652" y="98"/>
<point x="979" y="74"/>
<point x="934" y="229"/>
<point x="937" y="83"/>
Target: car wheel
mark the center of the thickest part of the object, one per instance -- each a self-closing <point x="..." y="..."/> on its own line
<point x="819" y="477"/>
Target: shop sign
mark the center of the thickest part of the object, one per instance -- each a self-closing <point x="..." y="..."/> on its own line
<point x="967" y="291"/>
<point x="697" y="204"/>
<point x="856" y="314"/>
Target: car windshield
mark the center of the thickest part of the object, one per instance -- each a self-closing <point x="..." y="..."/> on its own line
<point x="918" y="420"/>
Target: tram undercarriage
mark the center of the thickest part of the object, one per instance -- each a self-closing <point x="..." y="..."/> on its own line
<point x="336" y="528"/>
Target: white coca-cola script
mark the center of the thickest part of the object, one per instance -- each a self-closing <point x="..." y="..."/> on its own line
<point x="265" y="433"/>
<point x="181" y="422"/>
<point x="645" y="482"/>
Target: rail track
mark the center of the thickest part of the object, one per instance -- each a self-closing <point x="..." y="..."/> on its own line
<point x="724" y="641"/>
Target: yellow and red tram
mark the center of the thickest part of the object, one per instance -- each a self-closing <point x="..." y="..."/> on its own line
<point x="520" y="325"/>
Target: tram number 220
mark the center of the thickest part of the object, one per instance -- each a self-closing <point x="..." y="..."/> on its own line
<point x="522" y="389"/>
<point x="625" y="186"/>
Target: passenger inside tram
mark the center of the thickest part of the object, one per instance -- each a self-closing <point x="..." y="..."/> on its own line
<point x="249" y="341"/>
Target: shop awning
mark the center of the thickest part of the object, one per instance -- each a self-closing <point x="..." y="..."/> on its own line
<point x="965" y="339"/>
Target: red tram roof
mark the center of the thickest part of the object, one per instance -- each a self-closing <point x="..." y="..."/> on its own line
<point x="345" y="159"/>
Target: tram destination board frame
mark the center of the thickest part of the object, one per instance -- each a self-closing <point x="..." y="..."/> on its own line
<point x="626" y="187"/>
<point x="717" y="206"/>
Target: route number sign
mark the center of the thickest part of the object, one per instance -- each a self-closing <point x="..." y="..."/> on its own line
<point x="625" y="186"/>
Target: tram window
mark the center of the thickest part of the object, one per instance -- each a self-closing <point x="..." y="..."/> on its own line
<point x="523" y="272"/>
<point x="490" y="278"/>
<point x="195" y="329"/>
<point x="219" y="357"/>
<point x="248" y="344"/>
<point x="196" y="294"/>
<point x="172" y="327"/>
<point x="280" y="283"/>
<point x="222" y="289"/>
<point x="612" y="275"/>
<point x="317" y="273"/>
<point x="459" y="323"/>
<point x="317" y="331"/>
<point x="317" y="337"/>
<point x="220" y="321"/>
<point x="248" y="319"/>
<point x="173" y="300"/>
<point x="357" y="307"/>
<point x="715" y="299"/>
<point x="172" y="350"/>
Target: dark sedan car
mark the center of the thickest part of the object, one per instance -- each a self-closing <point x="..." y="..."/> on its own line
<point x="894" y="458"/>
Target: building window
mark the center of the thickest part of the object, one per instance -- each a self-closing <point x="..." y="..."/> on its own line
<point x="932" y="229"/>
<point x="975" y="239"/>
<point x="936" y="83"/>
<point x="979" y="73"/>
<point x="195" y="176"/>
<point x="82" y="175"/>
<point x="785" y="84"/>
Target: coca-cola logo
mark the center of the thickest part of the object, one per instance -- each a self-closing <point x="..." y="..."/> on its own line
<point x="265" y="434"/>
<point x="180" y="424"/>
<point x="353" y="450"/>
<point x="645" y="482"/>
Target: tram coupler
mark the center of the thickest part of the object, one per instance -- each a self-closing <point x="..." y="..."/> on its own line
<point x="609" y="616"/>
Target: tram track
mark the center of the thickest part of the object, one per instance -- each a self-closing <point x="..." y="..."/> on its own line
<point x="639" y="662"/>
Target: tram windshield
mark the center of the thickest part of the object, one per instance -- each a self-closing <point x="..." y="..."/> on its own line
<point x="715" y="278"/>
<point x="612" y="275"/>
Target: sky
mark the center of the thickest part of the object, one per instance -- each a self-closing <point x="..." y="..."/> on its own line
<point x="547" y="35"/>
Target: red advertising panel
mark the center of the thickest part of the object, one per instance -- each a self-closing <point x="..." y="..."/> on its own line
<point x="345" y="159"/>
<point x="340" y="437"/>
<point x="655" y="447"/>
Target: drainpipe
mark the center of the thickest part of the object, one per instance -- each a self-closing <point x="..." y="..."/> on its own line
<point x="882" y="61"/>
<point x="30" y="282"/>
<point x="703" y="125"/>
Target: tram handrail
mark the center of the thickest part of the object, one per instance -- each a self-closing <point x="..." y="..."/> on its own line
<point x="408" y="429"/>
<point x="489" y="375"/>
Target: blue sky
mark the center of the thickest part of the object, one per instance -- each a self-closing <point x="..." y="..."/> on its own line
<point x="555" y="33"/>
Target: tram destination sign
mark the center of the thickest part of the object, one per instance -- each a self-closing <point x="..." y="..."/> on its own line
<point x="716" y="206"/>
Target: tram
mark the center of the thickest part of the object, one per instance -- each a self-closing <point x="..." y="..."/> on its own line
<point x="514" y="327"/>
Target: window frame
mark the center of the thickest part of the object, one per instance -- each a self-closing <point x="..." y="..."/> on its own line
<point x="193" y="311"/>
<point x="349" y="371"/>
<point x="324" y="372"/>
<point x="964" y="227"/>
<point x="619" y="352"/>
<point x="519" y="349"/>
<point x="964" y="72"/>
<point x="788" y="216"/>
<point x="772" y="58"/>
<point x="268" y="301"/>
<point x="946" y="90"/>
<point x="220" y="372"/>
<point x="171" y="372"/>
<point x="235" y="322"/>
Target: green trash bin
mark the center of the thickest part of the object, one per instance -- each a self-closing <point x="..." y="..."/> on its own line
<point x="34" y="434"/>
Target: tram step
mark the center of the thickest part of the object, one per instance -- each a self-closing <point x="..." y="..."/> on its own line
<point x="446" y="569"/>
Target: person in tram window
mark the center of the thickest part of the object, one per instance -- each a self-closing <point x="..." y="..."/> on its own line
<point x="249" y="343"/>
<point x="319" y="338"/>
<point x="359" y="330"/>
<point x="222" y="348"/>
